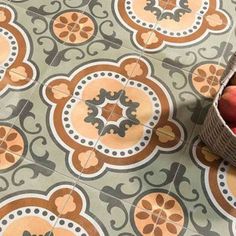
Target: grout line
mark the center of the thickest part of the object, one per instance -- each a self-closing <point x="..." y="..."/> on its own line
<point x="184" y="141"/>
<point x="35" y="81"/>
<point x="211" y="33"/>
<point x="140" y="56"/>
<point x="96" y="142"/>
<point x="77" y="181"/>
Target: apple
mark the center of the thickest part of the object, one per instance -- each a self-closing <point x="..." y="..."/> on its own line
<point x="233" y="127"/>
<point x="233" y="80"/>
<point x="227" y="104"/>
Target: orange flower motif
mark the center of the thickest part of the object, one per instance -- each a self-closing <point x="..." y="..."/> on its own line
<point x="11" y="147"/>
<point x="206" y="79"/>
<point x="73" y="27"/>
<point x="164" y="212"/>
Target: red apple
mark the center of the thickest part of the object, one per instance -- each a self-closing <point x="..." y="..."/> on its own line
<point x="227" y="104"/>
<point x="233" y="127"/>
<point x="233" y="80"/>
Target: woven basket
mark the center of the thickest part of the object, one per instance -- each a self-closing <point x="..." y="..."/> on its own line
<point x="215" y="133"/>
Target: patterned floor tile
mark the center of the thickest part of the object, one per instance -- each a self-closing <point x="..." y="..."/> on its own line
<point x="18" y="57"/>
<point x="187" y="42"/>
<point x="12" y="105"/>
<point x="30" y="204"/>
<point x="96" y="79"/>
<point x="154" y="91"/>
<point x="203" y="193"/>
<point x="51" y="9"/>
<point x="112" y="95"/>
<point x="125" y="23"/>
<point x="52" y="38"/>
<point x="92" y="212"/>
<point x="134" y="165"/>
<point x="229" y="49"/>
<point x="47" y="142"/>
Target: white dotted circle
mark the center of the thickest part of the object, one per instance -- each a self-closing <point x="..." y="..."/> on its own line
<point x="66" y="117"/>
<point x="13" y="47"/>
<point x="156" y="104"/>
<point x="67" y="123"/>
<point x="41" y="213"/>
<point x="126" y="152"/>
<point x="195" y="27"/>
<point x="197" y="24"/>
<point x="135" y="18"/>
<point x="97" y="76"/>
<point x="222" y="183"/>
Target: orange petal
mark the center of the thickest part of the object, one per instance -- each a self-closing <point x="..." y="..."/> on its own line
<point x="59" y="25"/>
<point x="72" y="38"/>
<point x="148" y="228"/>
<point x="212" y="69"/>
<point x="87" y="28"/>
<point x="84" y="34"/>
<point x="169" y="204"/>
<point x="175" y="217"/>
<point x="198" y="79"/>
<point x="2" y="132"/>
<point x="220" y="72"/>
<point x="158" y="232"/>
<point x="204" y="89"/>
<point x="15" y="148"/>
<point x="201" y="72"/>
<point x="159" y="200"/>
<point x="213" y="92"/>
<point x="142" y="215"/>
<point x="74" y="16"/>
<point x="11" y="136"/>
<point x="63" y="34"/>
<point x="83" y="20"/>
<point x="9" y="157"/>
<point x="147" y="205"/>
<point x="63" y="19"/>
<point x="171" y="228"/>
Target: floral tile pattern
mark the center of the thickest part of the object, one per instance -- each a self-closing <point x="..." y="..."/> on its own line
<point x="101" y="106"/>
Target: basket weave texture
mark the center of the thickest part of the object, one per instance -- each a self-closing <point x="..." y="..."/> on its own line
<point x="215" y="133"/>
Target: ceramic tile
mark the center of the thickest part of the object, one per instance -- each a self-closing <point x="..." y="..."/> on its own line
<point x="97" y="213"/>
<point x="18" y="57"/>
<point x="40" y="144"/>
<point x="115" y="20"/>
<point x="164" y="98"/>
<point x="187" y="48"/>
<point x="94" y="78"/>
<point x="102" y="103"/>
<point x="202" y="192"/>
<point x="29" y="202"/>
<point x="129" y="162"/>
<point x="51" y="9"/>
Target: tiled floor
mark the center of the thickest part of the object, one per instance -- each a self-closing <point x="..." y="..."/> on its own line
<point x="101" y="105"/>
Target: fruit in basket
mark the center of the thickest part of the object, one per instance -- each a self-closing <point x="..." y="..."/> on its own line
<point x="233" y="127"/>
<point x="227" y="104"/>
<point x="233" y="80"/>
